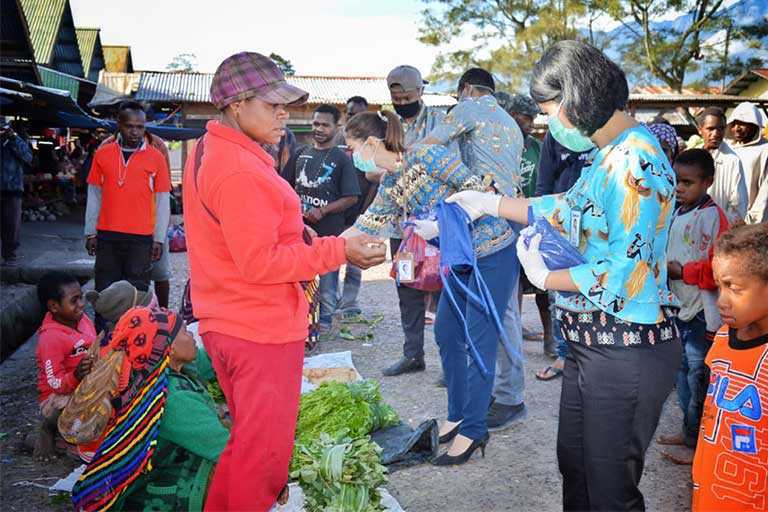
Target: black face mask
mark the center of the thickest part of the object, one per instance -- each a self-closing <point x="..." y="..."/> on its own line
<point x="408" y="110"/>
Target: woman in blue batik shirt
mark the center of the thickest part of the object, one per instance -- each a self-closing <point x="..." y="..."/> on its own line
<point x="624" y="347"/>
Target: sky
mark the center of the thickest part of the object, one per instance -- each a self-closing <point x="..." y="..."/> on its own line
<point x="319" y="37"/>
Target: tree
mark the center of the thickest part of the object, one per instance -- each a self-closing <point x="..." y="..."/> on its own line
<point x="667" y="51"/>
<point x="183" y="62"/>
<point x="284" y="64"/>
<point x="509" y="36"/>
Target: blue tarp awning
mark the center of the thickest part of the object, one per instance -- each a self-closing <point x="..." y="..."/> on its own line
<point x="56" y="108"/>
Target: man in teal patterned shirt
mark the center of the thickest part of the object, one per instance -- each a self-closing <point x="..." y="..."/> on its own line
<point x="491" y="144"/>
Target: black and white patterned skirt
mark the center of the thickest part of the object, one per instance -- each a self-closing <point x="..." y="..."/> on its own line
<point x="601" y="329"/>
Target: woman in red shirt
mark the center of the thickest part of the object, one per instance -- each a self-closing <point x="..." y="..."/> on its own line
<point x="248" y="254"/>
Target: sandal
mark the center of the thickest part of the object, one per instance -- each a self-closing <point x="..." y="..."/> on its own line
<point x="553" y="372"/>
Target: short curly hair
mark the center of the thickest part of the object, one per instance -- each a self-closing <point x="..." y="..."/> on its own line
<point x="750" y="241"/>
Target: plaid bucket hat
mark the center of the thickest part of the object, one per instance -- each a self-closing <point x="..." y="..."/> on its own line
<point x="248" y="74"/>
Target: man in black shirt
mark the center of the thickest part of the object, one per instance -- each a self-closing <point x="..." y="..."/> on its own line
<point x="349" y="308"/>
<point x="324" y="178"/>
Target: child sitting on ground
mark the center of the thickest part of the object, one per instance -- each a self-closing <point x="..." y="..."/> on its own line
<point x="696" y="224"/>
<point x="730" y="469"/>
<point x="65" y="336"/>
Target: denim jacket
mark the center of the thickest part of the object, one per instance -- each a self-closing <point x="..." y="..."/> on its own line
<point x="15" y="157"/>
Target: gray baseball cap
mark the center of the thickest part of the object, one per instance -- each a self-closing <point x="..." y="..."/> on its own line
<point x="407" y="77"/>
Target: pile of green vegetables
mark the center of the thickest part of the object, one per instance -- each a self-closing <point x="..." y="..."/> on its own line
<point x="337" y="465"/>
<point x="340" y="474"/>
<point x="356" y="408"/>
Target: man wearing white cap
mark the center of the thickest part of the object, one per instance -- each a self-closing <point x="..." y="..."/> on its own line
<point x="745" y="126"/>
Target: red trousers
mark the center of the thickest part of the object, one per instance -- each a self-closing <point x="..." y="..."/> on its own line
<point x="262" y="384"/>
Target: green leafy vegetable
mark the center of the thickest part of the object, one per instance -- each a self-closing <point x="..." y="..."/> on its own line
<point x="356" y="407"/>
<point x="340" y="474"/>
<point x="214" y="389"/>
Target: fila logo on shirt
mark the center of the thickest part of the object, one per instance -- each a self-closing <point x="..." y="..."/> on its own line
<point x="746" y="403"/>
<point x="743" y="438"/>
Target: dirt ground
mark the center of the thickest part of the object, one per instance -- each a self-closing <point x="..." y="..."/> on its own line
<point x="519" y="472"/>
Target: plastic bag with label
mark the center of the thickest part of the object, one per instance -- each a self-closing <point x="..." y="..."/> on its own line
<point x="555" y="249"/>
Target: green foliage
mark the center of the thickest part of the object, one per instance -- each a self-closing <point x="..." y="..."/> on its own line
<point x="340" y="474"/>
<point x="183" y="62"/>
<point x="284" y="64"/>
<point x="509" y="36"/>
<point x="214" y="389"/>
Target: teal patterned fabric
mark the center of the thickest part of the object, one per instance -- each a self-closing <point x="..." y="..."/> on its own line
<point x="625" y="201"/>
<point x="428" y="175"/>
<point x="490" y="141"/>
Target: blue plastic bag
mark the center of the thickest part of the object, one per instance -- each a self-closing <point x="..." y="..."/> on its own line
<point x="556" y="251"/>
<point x="457" y="249"/>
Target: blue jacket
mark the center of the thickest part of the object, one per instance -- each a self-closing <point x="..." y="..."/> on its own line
<point x="15" y="156"/>
<point x="559" y="168"/>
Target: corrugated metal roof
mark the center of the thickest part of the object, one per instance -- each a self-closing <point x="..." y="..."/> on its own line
<point x="195" y="87"/>
<point x="52" y="33"/>
<point x="117" y="59"/>
<point x="17" y="58"/>
<point x="44" y="19"/>
<point x="743" y="81"/>
<point x="57" y="80"/>
<point x="688" y="98"/>
<point x="674" y="118"/>
<point x="87" y="39"/>
<point x="663" y="89"/>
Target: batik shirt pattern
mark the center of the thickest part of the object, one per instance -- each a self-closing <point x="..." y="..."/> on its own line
<point x="618" y="214"/>
<point x="428" y="175"/>
<point x="490" y="142"/>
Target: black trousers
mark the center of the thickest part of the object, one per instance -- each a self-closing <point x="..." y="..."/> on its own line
<point x="122" y="256"/>
<point x="611" y="400"/>
<point x="412" y="310"/>
<point x="10" y="222"/>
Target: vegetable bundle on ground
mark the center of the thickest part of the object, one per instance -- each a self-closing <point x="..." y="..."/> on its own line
<point x="333" y="408"/>
<point x="340" y="474"/>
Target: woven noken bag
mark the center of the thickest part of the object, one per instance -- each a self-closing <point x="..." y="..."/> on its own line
<point x="89" y="410"/>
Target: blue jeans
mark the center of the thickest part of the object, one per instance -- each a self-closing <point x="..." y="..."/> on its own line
<point x="469" y="391"/>
<point x="328" y="289"/>
<point x="509" y="386"/>
<point x="352" y="280"/>
<point x="693" y="376"/>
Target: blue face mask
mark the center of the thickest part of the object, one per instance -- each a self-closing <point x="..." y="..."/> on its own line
<point x="361" y="164"/>
<point x="570" y="138"/>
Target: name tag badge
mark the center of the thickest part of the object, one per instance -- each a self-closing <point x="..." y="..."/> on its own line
<point x="573" y="236"/>
<point x="405" y="268"/>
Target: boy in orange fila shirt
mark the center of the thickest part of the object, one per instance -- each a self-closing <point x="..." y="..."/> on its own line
<point x="730" y="468"/>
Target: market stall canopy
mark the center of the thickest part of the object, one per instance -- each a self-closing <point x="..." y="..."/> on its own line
<point x="56" y="108"/>
<point x="106" y="97"/>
